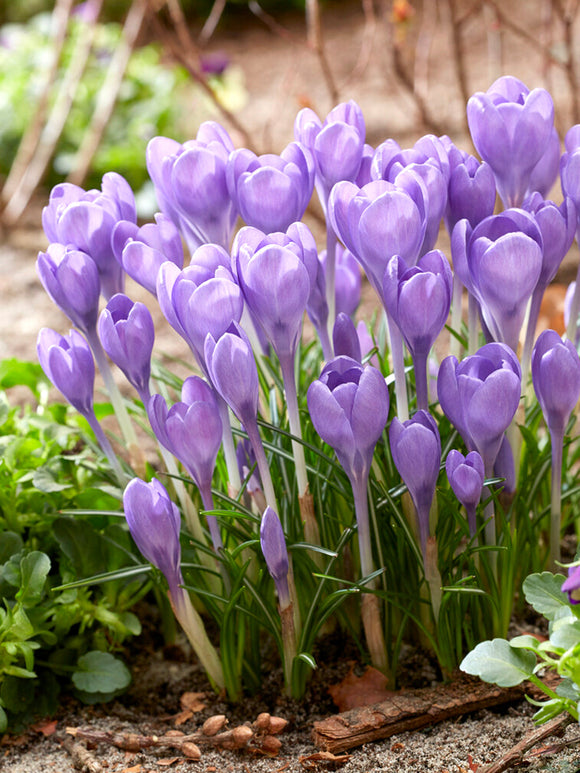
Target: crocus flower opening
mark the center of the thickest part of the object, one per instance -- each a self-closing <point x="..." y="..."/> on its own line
<point x="68" y="363"/>
<point x="500" y="262"/>
<point x="349" y="406"/>
<point x="337" y="145"/>
<point x="480" y="396"/>
<point x="190" y="184"/>
<point x="416" y="450"/>
<point x="471" y="191"/>
<point x="273" y="545"/>
<point x="71" y="278"/>
<point x="556" y="378"/>
<point x="142" y="251"/>
<point x="511" y="127"/>
<point x="466" y="475"/>
<point x="127" y="334"/>
<point x="84" y="220"/>
<point x="270" y="191"/>
<point x="154" y="523"/>
<point x="571" y="585"/>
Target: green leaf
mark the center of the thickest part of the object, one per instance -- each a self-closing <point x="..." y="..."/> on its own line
<point x="543" y="592"/>
<point x="10" y="543"/>
<point x="496" y="662"/>
<point x="568" y="689"/>
<point x="566" y="636"/>
<point x="15" y="372"/>
<point x="525" y="642"/>
<point x="101" y="672"/>
<point x="17" y="694"/>
<point x="3" y="721"/>
<point x="34" y="569"/>
<point x="45" y="480"/>
<point x="82" y="546"/>
<point x="549" y="710"/>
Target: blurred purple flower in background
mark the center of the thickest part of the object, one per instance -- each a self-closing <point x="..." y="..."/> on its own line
<point x="466" y="475"/>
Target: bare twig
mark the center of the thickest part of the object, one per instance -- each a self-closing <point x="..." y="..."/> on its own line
<point x="212" y="20"/>
<point x="458" y="56"/>
<point x="82" y="759"/>
<point x="55" y="124"/>
<point x="29" y="142"/>
<point x="516" y="755"/>
<point x="567" y="13"/>
<point x="423" y="45"/>
<point x="109" y="92"/>
<point x="406" y="81"/>
<point x="316" y="42"/>
<point x="272" y="24"/>
<point x="186" y="55"/>
<point x="366" y="47"/>
<point x="494" y="42"/>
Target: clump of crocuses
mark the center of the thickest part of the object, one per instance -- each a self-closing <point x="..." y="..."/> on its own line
<point x="308" y="463"/>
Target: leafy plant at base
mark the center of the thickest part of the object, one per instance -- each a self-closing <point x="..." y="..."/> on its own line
<point x="509" y="663"/>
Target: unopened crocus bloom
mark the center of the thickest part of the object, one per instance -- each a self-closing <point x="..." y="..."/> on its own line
<point x="345" y="338"/>
<point x="511" y="127"/>
<point x="500" y="263"/>
<point x="419" y="299"/>
<point x="68" y="363"/>
<point x="545" y="173"/>
<point x="270" y="191"/>
<point x="142" y="251"/>
<point x="471" y="189"/>
<point x="127" y="334"/>
<point x="570" y="179"/>
<point x="556" y="378"/>
<point x="466" y="475"/>
<point x="192" y="431"/>
<point x="273" y="544"/>
<point x="190" y="184"/>
<point x="85" y="220"/>
<point x="336" y="145"/>
<point x="416" y="450"/>
<point x="232" y="370"/>
<point x="71" y="278"/>
<point x="154" y="523"/>
<point x="480" y="396"/>
<point x="349" y="407"/>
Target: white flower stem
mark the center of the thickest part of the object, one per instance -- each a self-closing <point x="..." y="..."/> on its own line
<point x="398" y="358"/>
<point x="331" y="243"/>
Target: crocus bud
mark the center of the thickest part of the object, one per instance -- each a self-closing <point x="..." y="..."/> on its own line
<point x="416" y="450"/>
<point x="127" y="334"/>
<point x="511" y="127"/>
<point x="545" y="173"/>
<point x="345" y="338"/>
<point x="71" y="278"/>
<point x="68" y="363"/>
<point x="274" y="549"/>
<point x="142" y="251"/>
<point x="154" y="523"/>
<point x="466" y="475"/>
<point x="556" y="378"/>
<point x="190" y="184"/>
<point x="336" y="145"/>
<point x="349" y="406"/>
<point x="471" y="191"/>
<point x="271" y="191"/>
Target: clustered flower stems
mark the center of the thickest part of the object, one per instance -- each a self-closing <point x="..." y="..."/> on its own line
<point x="244" y="296"/>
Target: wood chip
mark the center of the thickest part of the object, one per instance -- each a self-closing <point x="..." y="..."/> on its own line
<point x="313" y="761"/>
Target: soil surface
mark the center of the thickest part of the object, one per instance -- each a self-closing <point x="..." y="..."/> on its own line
<point x="282" y="75"/>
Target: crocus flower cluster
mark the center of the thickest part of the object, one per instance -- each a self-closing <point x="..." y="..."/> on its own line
<point x="239" y="304"/>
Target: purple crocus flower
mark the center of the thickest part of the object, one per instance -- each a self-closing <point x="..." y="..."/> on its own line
<point x="85" y="220"/>
<point x="416" y="450"/>
<point x="336" y="145"/>
<point x="471" y="189"/>
<point x="155" y="523"/>
<point x="500" y="263"/>
<point x="202" y="298"/>
<point x="572" y="584"/>
<point x="348" y="282"/>
<point x="480" y="396"/>
<point x="511" y="127"/>
<point x="545" y="173"/>
<point x="273" y="544"/>
<point x="466" y="475"/>
<point x="270" y="191"/>
<point x="71" y="278"/>
<point x="142" y="251"/>
<point x="556" y="377"/>
<point x="570" y="179"/>
<point x="127" y="334"/>
<point x="190" y="184"/>
<point x="345" y="338"/>
<point x="419" y="299"/>
<point x="192" y="431"/>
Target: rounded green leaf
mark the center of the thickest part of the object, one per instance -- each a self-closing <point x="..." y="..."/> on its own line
<point x="101" y="672"/>
<point x="543" y="592"/>
<point x="496" y="662"/>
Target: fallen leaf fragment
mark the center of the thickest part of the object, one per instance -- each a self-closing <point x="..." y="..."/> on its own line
<point x="192" y="701"/>
<point x="46" y="727"/>
<point x="355" y="691"/>
<point x="134" y="769"/>
<point x="182" y="717"/>
<point x="167" y="761"/>
<point x="312" y="761"/>
<point x="397" y="747"/>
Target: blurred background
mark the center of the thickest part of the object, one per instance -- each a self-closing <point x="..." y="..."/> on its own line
<point x="85" y="86"/>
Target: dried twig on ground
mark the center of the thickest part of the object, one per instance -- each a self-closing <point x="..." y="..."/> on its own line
<point x="82" y="759"/>
<point x="516" y="755"/>
<point x="411" y="709"/>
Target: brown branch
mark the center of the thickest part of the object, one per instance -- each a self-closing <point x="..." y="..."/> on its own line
<point x="458" y="57"/>
<point x="316" y="42"/>
<point x="82" y="759"/>
<point x="412" y="709"/>
<point x="109" y="92"/>
<point x="29" y="142"/>
<point x="567" y="17"/>
<point x="406" y="81"/>
<point x="366" y="47"/>
<point x="516" y="755"/>
<point x="186" y="55"/>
